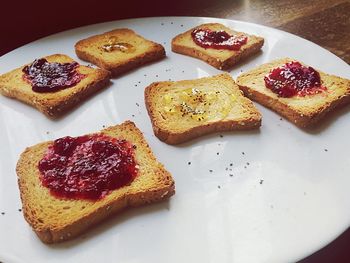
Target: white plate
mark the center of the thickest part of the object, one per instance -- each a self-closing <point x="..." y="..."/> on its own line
<point x="288" y="196"/>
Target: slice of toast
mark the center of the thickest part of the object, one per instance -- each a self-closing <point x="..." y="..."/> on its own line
<point x="183" y="110"/>
<point x="54" y="104"/>
<point x="119" y="50"/>
<point x="56" y="219"/>
<point x="218" y="58"/>
<point x="303" y="111"/>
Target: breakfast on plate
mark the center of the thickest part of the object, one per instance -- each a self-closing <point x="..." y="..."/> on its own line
<point x="119" y="50"/>
<point x="296" y="91"/>
<point x="217" y="45"/>
<point x="53" y="84"/>
<point x="72" y="183"/>
<point x="183" y="110"/>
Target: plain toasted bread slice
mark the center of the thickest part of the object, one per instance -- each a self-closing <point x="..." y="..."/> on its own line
<point x="183" y="110"/>
<point x="132" y="50"/>
<point x="54" y="104"/>
<point x="218" y="58"/>
<point x="303" y="111"/>
<point x="55" y="219"/>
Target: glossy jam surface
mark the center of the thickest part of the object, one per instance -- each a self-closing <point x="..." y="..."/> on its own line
<point x="47" y="76"/>
<point x="87" y="167"/>
<point x="203" y="104"/>
<point x="294" y="79"/>
<point x="218" y="39"/>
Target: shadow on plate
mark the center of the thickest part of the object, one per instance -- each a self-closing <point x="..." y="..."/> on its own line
<point x="217" y="135"/>
<point x="114" y="221"/>
<point x="329" y="119"/>
<point x="137" y="68"/>
<point x="243" y="62"/>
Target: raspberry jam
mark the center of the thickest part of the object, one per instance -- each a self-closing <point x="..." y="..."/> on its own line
<point x="87" y="167"/>
<point x="47" y="76"/>
<point x="294" y="79"/>
<point x="218" y="39"/>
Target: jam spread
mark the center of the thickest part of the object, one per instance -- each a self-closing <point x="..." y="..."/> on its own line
<point x="87" y="167"/>
<point x="294" y="79"/>
<point x="47" y="76"/>
<point x="218" y="39"/>
<point x="114" y="45"/>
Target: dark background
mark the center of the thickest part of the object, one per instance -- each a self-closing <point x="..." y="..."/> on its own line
<point x="325" y="22"/>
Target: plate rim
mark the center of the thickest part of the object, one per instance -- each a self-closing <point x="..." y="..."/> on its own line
<point x="101" y="24"/>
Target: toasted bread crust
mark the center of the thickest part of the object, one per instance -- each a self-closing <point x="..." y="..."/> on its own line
<point x="303" y="120"/>
<point x="55" y="220"/>
<point x="173" y="135"/>
<point x="54" y="104"/>
<point x="220" y="59"/>
<point x="303" y="115"/>
<point x="146" y="51"/>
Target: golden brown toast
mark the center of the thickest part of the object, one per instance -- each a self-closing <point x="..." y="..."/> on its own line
<point x="119" y="50"/>
<point x="56" y="219"/>
<point x="218" y="58"/>
<point x="302" y="111"/>
<point x="183" y="110"/>
<point x="54" y="104"/>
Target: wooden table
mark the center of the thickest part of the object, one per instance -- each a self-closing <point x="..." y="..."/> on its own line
<point x="324" y="22"/>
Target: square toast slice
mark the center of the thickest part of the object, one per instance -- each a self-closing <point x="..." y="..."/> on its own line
<point x="303" y="111"/>
<point x="119" y="50"/>
<point x="183" y="110"/>
<point x="219" y="58"/>
<point x="57" y="219"/>
<point x="54" y="104"/>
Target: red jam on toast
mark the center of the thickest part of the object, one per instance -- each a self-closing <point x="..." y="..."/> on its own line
<point x="294" y="79"/>
<point x="47" y="76"/>
<point x="87" y="167"/>
<point x="207" y="38"/>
